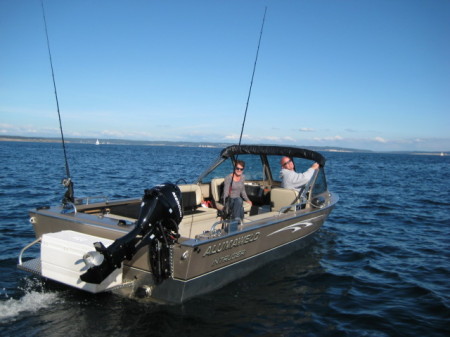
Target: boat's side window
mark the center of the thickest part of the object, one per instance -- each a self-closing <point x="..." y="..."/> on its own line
<point x="275" y="168"/>
<point x="253" y="167"/>
<point x="220" y="171"/>
<point x="302" y="165"/>
<point x="320" y="185"/>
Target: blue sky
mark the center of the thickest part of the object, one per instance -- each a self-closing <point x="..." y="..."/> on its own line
<point x="361" y="74"/>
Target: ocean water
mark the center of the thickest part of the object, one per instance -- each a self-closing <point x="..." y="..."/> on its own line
<point x="380" y="266"/>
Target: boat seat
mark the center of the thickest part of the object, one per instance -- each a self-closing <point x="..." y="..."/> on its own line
<point x="282" y="197"/>
<point x="191" y="196"/>
<point x="217" y="193"/>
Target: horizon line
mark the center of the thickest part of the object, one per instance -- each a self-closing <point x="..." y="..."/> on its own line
<point x="209" y="143"/>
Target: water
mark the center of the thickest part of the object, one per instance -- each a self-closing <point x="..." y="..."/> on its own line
<point x="380" y="266"/>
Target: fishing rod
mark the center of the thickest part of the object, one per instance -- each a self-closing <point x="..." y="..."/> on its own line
<point x="67" y="182"/>
<point x="246" y="107"/>
<point x="253" y="75"/>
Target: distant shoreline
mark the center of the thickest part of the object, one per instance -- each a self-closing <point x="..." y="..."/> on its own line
<point x="26" y="139"/>
<point x="92" y="141"/>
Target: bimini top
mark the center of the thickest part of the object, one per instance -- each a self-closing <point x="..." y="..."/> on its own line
<point x="273" y="150"/>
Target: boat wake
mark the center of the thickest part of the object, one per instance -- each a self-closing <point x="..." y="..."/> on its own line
<point x="32" y="301"/>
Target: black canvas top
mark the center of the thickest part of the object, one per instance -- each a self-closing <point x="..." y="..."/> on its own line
<point x="273" y="150"/>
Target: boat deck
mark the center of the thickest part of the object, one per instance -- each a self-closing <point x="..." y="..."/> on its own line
<point x="202" y="220"/>
<point x="197" y="219"/>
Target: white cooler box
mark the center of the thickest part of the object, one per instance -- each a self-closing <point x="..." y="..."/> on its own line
<point x="62" y="260"/>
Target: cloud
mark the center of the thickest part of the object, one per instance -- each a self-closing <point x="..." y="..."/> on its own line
<point x="138" y="135"/>
<point x="5" y="128"/>
<point x="380" y="140"/>
<point x="276" y="139"/>
<point x="27" y="130"/>
<point x="326" y="139"/>
<point x="306" y="130"/>
<point x="231" y="137"/>
<point x="272" y="138"/>
<point x="263" y="139"/>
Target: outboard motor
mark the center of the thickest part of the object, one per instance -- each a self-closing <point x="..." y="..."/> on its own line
<point x="157" y="227"/>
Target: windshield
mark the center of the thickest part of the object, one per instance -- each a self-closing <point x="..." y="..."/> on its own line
<point x="254" y="169"/>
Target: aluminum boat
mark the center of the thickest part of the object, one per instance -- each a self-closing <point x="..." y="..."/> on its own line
<point x="174" y="243"/>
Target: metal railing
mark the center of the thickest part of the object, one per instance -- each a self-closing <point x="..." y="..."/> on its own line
<point x="26" y="248"/>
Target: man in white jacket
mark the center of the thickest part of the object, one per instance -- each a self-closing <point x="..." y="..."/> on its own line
<point x="292" y="179"/>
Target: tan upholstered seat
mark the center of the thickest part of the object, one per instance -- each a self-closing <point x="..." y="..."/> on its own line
<point x="282" y="197"/>
<point x="217" y="192"/>
<point x="191" y="195"/>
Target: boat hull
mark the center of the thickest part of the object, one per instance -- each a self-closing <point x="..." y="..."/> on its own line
<point x="177" y="290"/>
<point x="199" y="265"/>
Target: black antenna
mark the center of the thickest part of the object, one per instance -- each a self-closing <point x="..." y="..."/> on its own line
<point x="253" y="75"/>
<point x="67" y="182"/>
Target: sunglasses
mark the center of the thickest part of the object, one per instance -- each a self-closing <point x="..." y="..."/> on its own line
<point x="289" y="161"/>
<point x="239" y="169"/>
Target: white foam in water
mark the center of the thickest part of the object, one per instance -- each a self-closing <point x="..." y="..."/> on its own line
<point x="32" y="301"/>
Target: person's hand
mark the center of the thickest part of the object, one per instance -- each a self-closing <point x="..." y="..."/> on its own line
<point x="315" y="166"/>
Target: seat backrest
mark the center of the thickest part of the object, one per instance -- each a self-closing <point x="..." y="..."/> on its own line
<point x="217" y="189"/>
<point x="282" y="197"/>
<point x="191" y="195"/>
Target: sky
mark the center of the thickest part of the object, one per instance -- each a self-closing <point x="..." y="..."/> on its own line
<point x="341" y="73"/>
